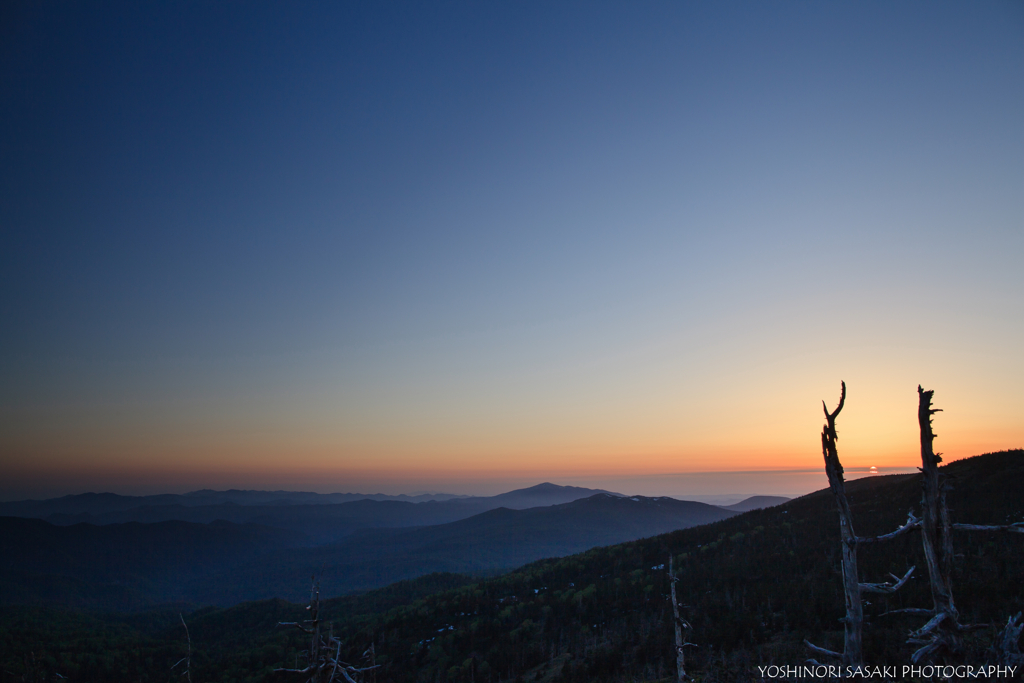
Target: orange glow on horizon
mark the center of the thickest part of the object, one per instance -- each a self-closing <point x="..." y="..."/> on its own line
<point x="663" y="434"/>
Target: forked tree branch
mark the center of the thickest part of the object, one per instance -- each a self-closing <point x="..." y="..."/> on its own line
<point x="886" y="588"/>
<point x="911" y="524"/>
<point x="831" y="417"/>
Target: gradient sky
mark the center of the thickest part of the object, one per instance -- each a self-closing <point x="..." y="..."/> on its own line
<point x="466" y="247"/>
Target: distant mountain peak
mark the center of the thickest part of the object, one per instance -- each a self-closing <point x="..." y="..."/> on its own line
<point x="545" y="486"/>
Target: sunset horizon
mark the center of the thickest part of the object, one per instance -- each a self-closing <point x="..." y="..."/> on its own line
<point x="701" y="486"/>
<point x="467" y="248"/>
<point x="768" y="472"/>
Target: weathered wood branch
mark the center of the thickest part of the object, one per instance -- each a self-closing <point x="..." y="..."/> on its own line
<point x="932" y="624"/>
<point x="831" y="417"/>
<point x="973" y="627"/>
<point x="917" y="611"/>
<point x="886" y="588"/>
<point x="821" y="651"/>
<point x="295" y="671"/>
<point x="945" y="635"/>
<point x="1017" y="527"/>
<point x="911" y="524"/>
<point x="296" y="625"/>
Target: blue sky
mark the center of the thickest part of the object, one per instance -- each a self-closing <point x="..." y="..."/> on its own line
<point x="410" y="245"/>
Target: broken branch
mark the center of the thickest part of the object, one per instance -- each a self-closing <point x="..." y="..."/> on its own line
<point x="887" y="587"/>
<point x="821" y="650"/>
<point x="1017" y="527"/>
<point x="911" y="524"/>
<point x="917" y="611"/>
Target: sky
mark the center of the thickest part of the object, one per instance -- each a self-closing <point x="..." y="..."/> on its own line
<point x="467" y="247"/>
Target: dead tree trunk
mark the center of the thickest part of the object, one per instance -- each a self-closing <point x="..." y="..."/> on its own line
<point x="187" y="659"/>
<point x="943" y="631"/>
<point x="938" y="548"/>
<point x="853" y="623"/>
<point x="944" y="626"/>
<point x="679" y="623"/>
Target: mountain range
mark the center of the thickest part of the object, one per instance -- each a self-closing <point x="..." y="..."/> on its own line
<point x="315" y="518"/>
<point x="313" y="523"/>
<point x="129" y="565"/>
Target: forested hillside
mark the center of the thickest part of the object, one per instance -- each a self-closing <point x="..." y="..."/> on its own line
<point x="754" y="586"/>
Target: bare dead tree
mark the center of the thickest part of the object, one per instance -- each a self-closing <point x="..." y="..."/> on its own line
<point x="680" y="625"/>
<point x="324" y="663"/>
<point x="853" y="623"/>
<point x="943" y="631"/>
<point x="187" y="659"/>
<point x="935" y="537"/>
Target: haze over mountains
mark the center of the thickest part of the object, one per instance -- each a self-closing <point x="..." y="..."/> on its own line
<point x="111" y="502"/>
<point x="316" y="518"/>
<point x="104" y="550"/>
<point x="492" y="541"/>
